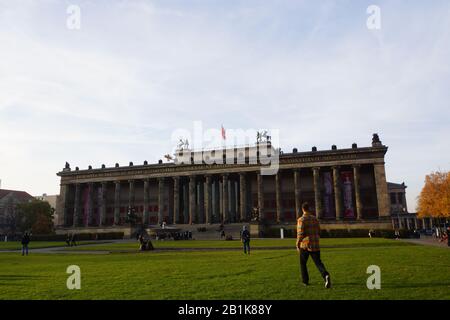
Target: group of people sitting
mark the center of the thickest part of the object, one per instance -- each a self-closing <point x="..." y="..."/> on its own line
<point x="186" y="235"/>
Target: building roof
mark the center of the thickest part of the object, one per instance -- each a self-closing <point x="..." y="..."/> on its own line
<point x="19" y="195"/>
<point x="392" y="185"/>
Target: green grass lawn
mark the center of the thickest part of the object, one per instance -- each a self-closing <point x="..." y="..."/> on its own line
<point x="407" y="272"/>
<point x="16" y="245"/>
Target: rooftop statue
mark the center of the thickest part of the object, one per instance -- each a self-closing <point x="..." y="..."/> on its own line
<point x="262" y="136"/>
<point x="376" y="140"/>
<point x="183" y="144"/>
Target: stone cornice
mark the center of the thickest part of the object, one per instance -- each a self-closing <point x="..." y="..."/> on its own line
<point x="341" y="157"/>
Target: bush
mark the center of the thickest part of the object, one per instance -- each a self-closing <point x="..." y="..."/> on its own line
<point x="78" y="236"/>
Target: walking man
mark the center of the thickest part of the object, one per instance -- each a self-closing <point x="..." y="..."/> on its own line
<point x="308" y="234"/>
<point x="246" y="240"/>
<point x="25" y="242"/>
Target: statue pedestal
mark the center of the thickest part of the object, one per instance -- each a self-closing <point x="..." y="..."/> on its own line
<point x="256" y="229"/>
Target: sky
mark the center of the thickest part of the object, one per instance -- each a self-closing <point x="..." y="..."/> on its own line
<point x="116" y="88"/>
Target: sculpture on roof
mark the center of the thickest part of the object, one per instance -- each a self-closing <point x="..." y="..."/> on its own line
<point x="183" y="144"/>
<point x="376" y="140"/>
<point x="262" y="136"/>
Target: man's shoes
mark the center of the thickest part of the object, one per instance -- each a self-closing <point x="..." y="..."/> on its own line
<point x="305" y="284"/>
<point x="327" y="281"/>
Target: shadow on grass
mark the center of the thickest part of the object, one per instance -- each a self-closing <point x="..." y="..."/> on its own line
<point x="19" y="277"/>
<point x="12" y="279"/>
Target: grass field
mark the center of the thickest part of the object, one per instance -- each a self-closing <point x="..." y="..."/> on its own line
<point x="132" y="246"/>
<point x="407" y="272"/>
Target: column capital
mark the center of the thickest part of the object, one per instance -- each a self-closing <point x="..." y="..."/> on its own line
<point x="117" y="182"/>
<point x="336" y="167"/>
<point x="315" y="168"/>
<point x="356" y="165"/>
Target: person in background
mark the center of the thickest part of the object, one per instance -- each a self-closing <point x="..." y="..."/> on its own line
<point x="308" y="235"/>
<point x="73" y="240"/>
<point x="25" y="242"/>
<point x="448" y="236"/>
<point x="68" y="240"/>
<point x="245" y="236"/>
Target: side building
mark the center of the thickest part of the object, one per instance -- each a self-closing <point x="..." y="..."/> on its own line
<point x="346" y="187"/>
<point x="401" y="217"/>
<point x="9" y="199"/>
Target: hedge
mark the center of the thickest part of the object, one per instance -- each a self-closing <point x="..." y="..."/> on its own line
<point x="78" y="236"/>
<point x="341" y="233"/>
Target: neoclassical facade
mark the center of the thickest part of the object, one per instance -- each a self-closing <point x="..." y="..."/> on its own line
<point x="344" y="186"/>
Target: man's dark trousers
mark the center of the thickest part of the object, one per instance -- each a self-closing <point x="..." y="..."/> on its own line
<point x="247" y="246"/>
<point x="315" y="255"/>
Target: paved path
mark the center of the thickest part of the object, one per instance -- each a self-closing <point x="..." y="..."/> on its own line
<point x="63" y="249"/>
<point x="428" y="241"/>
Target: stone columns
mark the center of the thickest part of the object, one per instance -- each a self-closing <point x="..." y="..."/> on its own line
<point x="76" y="206"/>
<point x="232" y="199"/>
<point x="160" y="200"/>
<point x="102" y="216"/>
<point x="225" y="199"/>
<point x="356" y="178"/>
<point x="243" y="196"/>
<point x="208" y="209"/>
<point x="317" y="193"/>
<point x="186" y="216"/>
<point x="176" y="200"/>
<point x="62" y="205"/>
<point x="382" y="192"/>
<point x="280" y="217"/>
<point x="337" y="194"/>
<point x="146" y="202"/>
<point x="220" y="199"/>
<point x="117" y="203"/>
<point x="214" y="200"/>
<point x="201" y="202"/>
<point x="131" y="194"/>
<point x="90" y="205"/>
<point x="297" y="191"/>
<point x="192" y="199"/>
<point x="260" y="187"/>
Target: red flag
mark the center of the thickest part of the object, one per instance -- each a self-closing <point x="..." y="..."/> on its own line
<point x="223" y="133"/>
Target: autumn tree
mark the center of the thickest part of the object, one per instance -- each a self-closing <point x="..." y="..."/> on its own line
<point x="37" y="216"/>
<point x="434" y="199"/>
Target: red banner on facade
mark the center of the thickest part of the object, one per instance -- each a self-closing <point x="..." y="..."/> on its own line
<point x="328" y="203"/>
<point x="347" y="193"/>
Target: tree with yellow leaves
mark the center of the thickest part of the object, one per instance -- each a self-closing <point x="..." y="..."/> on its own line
<point x="434" y="199"/>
